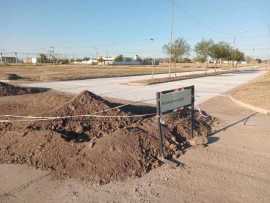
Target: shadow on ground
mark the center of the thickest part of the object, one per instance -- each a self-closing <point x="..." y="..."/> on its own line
<point x="243" y="120"/>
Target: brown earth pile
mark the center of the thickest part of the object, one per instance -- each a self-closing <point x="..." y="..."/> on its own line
<point x="13" y="76"/>
<point x="10" y="90"/>
<point x="84" y="128"/>
<point x="179" y="123"/>
<point x="94" y="149"/>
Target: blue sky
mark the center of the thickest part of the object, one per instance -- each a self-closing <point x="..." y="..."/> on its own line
<point x="84" y="27"/>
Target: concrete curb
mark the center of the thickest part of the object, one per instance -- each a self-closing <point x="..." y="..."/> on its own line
<point x="249" y="106"/>
<point x="149" y="82"/>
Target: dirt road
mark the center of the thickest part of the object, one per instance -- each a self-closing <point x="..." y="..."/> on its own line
<point x="234" y="167"/>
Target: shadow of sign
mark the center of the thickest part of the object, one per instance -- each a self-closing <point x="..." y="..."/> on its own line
<point x="212" y="140"/>
<point x="243" y="120"/>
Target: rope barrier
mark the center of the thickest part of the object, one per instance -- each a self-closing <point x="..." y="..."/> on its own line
<point x="94" y="115"/>
<point x="77" y="116"/>
<point x="87" y="115"/>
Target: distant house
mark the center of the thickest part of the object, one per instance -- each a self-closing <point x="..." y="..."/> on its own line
<point x="127" y="63"/>
<point x="108" y="60"/>
<point x="90" y="62"/>
<point x="30" y="60"/>
<point x="8" y="59"/>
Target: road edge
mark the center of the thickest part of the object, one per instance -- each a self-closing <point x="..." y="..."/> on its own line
<point x="249" y="106"/>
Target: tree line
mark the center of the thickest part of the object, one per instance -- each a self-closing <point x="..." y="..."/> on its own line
<point x="205" y="50"/>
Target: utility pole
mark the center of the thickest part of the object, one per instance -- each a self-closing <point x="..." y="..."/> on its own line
<point x="268" y="61"/>
<point x="153" y="60"/>
<point x="172" y="36"/>
<point x="1" y="57"/>
<point x="96" y="50"/>
<point x="16" y="56"/>
<point x="234" y="56"/>
<point x="51" y="54"/>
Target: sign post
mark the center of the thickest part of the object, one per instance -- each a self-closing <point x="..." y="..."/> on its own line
<point x="171" y="100"/>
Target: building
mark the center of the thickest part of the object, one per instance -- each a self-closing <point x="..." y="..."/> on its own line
<point x="8" y="59"/>
<point x="127" y="62"/>
<point x="90" y="62"/>
<point x="30" y="60"/>
<point x="107" y="60"/>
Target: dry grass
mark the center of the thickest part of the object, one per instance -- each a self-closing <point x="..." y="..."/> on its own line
<point x="75" y="72"/>
<point x="256" y="93"/>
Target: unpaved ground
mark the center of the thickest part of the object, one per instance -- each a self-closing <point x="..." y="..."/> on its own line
<point x="256" y="93"/>
<point x="76" y="72"/>
<point x="234" y="167"/>
<point x="93" y="149"/>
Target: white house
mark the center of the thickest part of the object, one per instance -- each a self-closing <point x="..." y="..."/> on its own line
<point x="30" y="60"/>
<point x="90" y="62"/>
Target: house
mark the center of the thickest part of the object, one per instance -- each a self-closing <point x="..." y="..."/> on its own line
<point x="30" y="60"/>
<point x="108" y="60"/>
<point x="8" y="59"/>
<point x="90" y="62"/>
<point x="127" y="63"/>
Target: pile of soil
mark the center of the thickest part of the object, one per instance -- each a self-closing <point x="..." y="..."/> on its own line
<point x="99" y="150"/>
<point x="11" y="90"/>
<point x="13" y="76"/>
<point x="84" y="128"/>
<point x="179" y="123"/>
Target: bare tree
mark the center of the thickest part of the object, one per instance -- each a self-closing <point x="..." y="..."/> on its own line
<point x="177" y="49"/>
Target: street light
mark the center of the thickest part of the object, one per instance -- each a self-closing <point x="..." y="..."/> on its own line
<point x="172" y="34"/>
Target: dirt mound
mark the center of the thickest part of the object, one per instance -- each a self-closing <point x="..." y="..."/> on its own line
<point x="125" y="153"/>
<point x="13" y="76"/>
<point x="84" y="128"/>
<point x="179" y="123"/>
<point x="11" y="90"/>
<point x="99" y="150"/>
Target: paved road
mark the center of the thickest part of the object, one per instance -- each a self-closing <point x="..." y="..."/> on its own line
<point x="206" y="87"/>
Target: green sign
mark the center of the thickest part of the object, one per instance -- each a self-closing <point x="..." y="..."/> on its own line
<point x="176" y="99"/>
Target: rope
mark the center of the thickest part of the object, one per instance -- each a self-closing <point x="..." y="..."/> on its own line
<point x="87" y="115"/>
<point x="77" y="116"/>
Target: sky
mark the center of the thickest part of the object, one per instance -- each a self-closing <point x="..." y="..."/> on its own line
<point x="90" y="27"/>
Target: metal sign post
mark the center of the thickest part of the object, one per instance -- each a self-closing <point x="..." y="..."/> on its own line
<point x="192" y="109"/>
<point x="171" y="100"/>
<point x="159" y="114"/>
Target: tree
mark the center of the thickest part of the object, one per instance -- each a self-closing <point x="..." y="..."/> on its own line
<point x="86" y="58"/>
<point x="128" y="59"/>
<point x="259" y="60"/>
<point x="220" y="51"/>
<point x="202" y="49"/>
<point x="119" y="58"/>
<point x="177" y="49"/>
<point x="100" y="60"/>
<point x="42" y="58"/>
<point x="237" y="55"/>
<point x="62" y="61"/>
